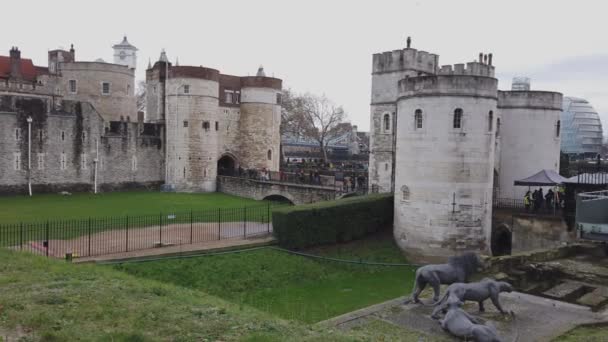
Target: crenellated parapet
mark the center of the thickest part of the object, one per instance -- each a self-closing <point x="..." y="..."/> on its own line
<point x="470" y="69"/>
<point x="549" y="100"/>
<point x="448" y="85"/>
<point x="405" y="59"/>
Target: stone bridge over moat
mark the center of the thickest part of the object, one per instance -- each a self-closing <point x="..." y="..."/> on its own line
<point x="259" y="190"/>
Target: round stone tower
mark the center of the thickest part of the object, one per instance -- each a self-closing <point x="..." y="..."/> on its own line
<point x="444" y="162"/>
<point x="260" y="121"/>
<point x="192" y="135"/>
<point x="530" y="137"/>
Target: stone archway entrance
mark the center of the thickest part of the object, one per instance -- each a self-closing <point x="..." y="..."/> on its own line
<point x="501" y="240"/>
<point x="226" y="165"/>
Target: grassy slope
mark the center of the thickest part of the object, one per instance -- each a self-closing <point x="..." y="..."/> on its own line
<point x="585" y="334"/>
<point x="290" y="286"/>
<point x="52" y="301"/>
<point x="79" y="206"/>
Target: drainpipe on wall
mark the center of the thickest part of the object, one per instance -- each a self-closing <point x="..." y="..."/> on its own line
<point x="394" y="151"/>
<point x="96" y="162"/>
<point x="29" y="154"/>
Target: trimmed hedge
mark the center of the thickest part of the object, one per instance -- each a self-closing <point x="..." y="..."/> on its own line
<point x="333" y="221"/>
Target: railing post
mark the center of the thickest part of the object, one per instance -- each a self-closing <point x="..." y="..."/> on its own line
<point x="127" y="234"/>
<point x="244" y="222"/>
<point x="268" y="213"/>
<point x="21" y="236"/>
<point x="190" y="226"/>
<point x="219" y="223"/>
<point x="89" y="229"/>
<point x="160" y="230"/>
<point x="46" y="238"/>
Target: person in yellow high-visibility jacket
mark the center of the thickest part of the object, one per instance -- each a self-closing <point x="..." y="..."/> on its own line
<point x="527" y="200"/>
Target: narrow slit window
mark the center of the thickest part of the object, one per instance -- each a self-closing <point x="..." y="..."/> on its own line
<point x="490" y="121"/>
<point x="458" y="118"/>
<point x="387" y="122"/>
<point x="418" y="119"/>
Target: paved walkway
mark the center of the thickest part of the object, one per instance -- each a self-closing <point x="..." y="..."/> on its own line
<point x="190" y="249"/>
<point x="118" y="241"/>
<point x="536" y="318"/>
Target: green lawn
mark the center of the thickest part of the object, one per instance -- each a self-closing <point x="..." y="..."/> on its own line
<point x="17" y="209"/>
<point x="48" y="300"/>
<point x="291" y="287"/>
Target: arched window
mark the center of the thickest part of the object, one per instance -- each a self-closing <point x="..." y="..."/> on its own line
<point x="557" y="128"/>
<point x="458" y="118"/>
<point x="498" y="127"/>
<point x="386" y="120"/>
<point x="418" y="119"/>
<point x="269" y="154"/>
<point x="405" y="193"/>
<point x="490" y="120"/>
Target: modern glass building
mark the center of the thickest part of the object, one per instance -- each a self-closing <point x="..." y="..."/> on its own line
<point x="580" y="129"/>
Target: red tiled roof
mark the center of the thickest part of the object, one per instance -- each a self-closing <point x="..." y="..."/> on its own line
<point x="28" y="71"/>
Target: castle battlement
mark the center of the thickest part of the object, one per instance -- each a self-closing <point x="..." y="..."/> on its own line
<point x="405" y="59"/>
<point x="471" y="69"/>
<point x="548" y="100"/>
<point x="453" y="84"/>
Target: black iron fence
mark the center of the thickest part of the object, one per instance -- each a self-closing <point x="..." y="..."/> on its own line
<point x="518" y="205"/>
<point x="109" y="235"/>
<point x="341" y="182"/>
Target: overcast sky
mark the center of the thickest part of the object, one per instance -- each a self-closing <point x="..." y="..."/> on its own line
<point x="327" y="46"/>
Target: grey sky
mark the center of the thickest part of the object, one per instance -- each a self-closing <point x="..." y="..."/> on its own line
<point x="326" y="46"/>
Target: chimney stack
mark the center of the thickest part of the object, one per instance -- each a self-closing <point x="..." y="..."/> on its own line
<point x="15" y="59"/>
<point x="481" y="57"/>
<point x="490" y="59"/>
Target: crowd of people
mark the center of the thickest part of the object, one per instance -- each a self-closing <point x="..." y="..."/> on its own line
<point x="536" y="201"/>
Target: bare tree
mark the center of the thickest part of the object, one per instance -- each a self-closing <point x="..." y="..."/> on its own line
<point x="292" y="113"/>
<point x="322" y="120"/>
<point x="140" y="96"/>
<point x="313" y="117"/>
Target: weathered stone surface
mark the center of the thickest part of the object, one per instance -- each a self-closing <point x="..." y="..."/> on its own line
<point x="296" y="194"/>
<point x="64" y="148"/>
<point x="595" y="298"/>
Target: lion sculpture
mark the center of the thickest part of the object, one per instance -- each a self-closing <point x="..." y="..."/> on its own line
<point x="457" y="270"/>
<point x="461" y="324"/>
<point x="477" y="292"/>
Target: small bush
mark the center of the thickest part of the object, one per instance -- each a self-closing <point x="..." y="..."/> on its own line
<point x="333" y="221"/>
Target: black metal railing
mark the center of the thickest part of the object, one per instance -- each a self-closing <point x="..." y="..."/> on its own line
<point x="109" y="235"/>
<point x="342" y="183"/>
<point x="518" y="205"/>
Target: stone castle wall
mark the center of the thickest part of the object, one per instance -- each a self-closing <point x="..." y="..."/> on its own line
<point x="63" y="144"/>
<point x="260" y="128"/>
<point x="89" y="76"/>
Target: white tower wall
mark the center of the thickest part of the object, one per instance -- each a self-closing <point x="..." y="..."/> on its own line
<point x="388" y="69"/>
<point x="444" y="175"/>
<point x="529" y="137"/>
